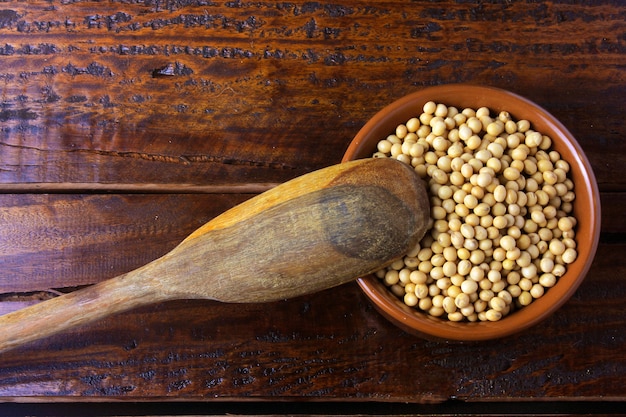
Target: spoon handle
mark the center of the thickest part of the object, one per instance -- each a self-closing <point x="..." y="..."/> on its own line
<point x="73" y="309"/>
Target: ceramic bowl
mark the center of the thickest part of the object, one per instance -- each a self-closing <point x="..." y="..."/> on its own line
<point x="586" y="210"/>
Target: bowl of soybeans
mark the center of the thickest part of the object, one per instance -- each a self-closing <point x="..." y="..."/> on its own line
<point x="514" y="213"/>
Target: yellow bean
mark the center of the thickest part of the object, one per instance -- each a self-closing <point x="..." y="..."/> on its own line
<point x="569" y="255"/>
<point x="502" y="229"/>
<point x="493" y="315"/>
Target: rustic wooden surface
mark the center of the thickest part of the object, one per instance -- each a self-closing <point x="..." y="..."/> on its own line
<point x="124" y="126"/>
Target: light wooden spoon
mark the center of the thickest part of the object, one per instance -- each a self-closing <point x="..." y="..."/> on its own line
<point x="314" y="232"/>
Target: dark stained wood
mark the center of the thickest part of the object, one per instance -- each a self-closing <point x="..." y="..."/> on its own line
<point x="124" y="126"/>
<point x="613" y="214"/>
<point x="244" y="92"/>
<point x="328" y="345"/>
<point x="59" y="240"/>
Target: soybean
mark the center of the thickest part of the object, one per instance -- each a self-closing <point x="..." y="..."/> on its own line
<point x="501" y="206"/>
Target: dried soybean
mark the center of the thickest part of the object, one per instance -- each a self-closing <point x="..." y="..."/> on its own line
<point x="503" y="228"/>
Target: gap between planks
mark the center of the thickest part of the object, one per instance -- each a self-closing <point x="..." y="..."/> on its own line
<point x="104" y="188"/>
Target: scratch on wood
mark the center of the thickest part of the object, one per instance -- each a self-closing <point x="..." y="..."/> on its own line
<point x="225" y="89"/>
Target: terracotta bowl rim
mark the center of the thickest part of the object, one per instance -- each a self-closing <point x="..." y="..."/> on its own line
<point x="422" y="324"/>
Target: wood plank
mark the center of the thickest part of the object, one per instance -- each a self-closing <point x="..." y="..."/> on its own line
<point x="613" y="213"/>
<point x="229" y="92"/>
<point x="330" y="345"/>
<point x="57" y="240"/>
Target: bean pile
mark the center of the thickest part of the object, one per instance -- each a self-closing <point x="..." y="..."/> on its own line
<point x="502" y="228"/>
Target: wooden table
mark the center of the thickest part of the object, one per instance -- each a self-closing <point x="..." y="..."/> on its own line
<point x="124" y="126"/>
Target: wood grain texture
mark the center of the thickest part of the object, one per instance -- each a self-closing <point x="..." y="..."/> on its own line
<point x="198" y="350"/>
<point x="65" y="241"/>
<point x="198" y="92"/>
<point x="116" y="107"/>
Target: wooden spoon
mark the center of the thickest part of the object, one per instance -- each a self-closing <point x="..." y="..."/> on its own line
<point x="314" y="232"/>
